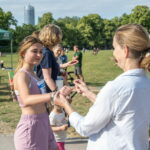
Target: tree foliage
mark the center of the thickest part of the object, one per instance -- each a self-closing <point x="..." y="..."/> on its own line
<point x="6" y="19"/>
<point x="45" y="19"/>
<point x="88" y="31"/>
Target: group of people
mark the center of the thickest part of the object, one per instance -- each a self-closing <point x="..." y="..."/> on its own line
<point x="119" y="117"/>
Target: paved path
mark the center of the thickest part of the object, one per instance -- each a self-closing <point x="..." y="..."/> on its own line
<point x="6" y="143"/>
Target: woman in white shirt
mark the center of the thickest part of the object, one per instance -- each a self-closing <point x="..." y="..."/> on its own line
<point x="120" y="116"/>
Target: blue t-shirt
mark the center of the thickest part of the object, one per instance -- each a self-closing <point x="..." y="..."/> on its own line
<point x="64" y="58"/>
<point x="48" y="61"/>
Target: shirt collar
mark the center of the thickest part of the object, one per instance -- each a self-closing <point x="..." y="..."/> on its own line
<point x="134" y="72"/>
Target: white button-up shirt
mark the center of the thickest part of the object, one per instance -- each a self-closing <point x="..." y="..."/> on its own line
<point x="120" y="117"/>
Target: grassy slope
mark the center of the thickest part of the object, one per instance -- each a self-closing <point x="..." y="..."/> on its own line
<point x="97" y="71"/>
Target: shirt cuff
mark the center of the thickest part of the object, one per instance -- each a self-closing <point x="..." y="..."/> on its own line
<point x="74" y="118"/>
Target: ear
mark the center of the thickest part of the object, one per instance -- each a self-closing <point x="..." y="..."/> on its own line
<point x="126" y="51"/>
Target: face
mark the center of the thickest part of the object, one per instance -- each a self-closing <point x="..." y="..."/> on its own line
<point x="33" y="55"/>
<point x="75" y="48"/>
<point x="57" y="52"/>
<point x="119" y="54"/>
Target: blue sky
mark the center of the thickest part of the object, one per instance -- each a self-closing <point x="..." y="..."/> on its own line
<point x="61" y="8"/>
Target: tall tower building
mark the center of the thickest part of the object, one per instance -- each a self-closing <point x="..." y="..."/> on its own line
<point x="29" y="17"/>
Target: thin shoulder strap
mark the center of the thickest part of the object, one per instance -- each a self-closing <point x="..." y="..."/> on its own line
<point x="30" y="76"/>
<point x="23" y="70"/>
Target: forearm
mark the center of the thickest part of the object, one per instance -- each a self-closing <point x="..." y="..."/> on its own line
<point x="91" y="96"/>
<point x="65" y="65"/>
<point x="68" y="109"/>
<point x="36" y="99"/>
<point x="55" y="128"/>
<point x="51" y="84"/>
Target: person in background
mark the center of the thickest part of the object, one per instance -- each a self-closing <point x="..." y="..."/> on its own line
<point x="48" y="69"/>
<point x="120" y="116"/>
<point x="59" y="126"/>
<point x="33" y="131"/>
<point x="78" y="66"/>
<point x="63" y="57"/>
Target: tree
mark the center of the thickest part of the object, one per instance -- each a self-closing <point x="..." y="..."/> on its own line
<point x="141" y="15"/>
<point x="71" y="35"/>
<point x="47" y="18"/>
<point x="108" y="30"/>
<point x="6" y="19"/>
<point x="23" y="31"/>
<point x="91" y="27"/>
<point x="125" y="19"/>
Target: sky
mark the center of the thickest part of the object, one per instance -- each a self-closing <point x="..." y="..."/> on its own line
<point x="62" y="8"/>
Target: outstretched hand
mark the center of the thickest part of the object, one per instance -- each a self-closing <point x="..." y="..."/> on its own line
<point x="80" y="87"/>
<point x="72" y="62"/>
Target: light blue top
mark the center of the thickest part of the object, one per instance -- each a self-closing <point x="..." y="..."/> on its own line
<point x="120" y="117"/>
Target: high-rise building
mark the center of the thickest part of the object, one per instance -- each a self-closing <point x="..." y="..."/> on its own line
<point x="29" y="17"/>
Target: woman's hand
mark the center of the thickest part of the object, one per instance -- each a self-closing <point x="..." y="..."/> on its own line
<point x="81" y="87"/>
<point x="66" y="90"/>
<point x="60" y="100"/>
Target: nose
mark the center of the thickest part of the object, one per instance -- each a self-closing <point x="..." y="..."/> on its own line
<point x="39" y="54"/>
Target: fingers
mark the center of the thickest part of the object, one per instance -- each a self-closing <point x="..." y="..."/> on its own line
<point x="79" y="82"/>
<point x="66" y="90"/>
<point x="78" y="85"/>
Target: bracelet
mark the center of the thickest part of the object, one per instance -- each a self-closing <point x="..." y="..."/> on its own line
<point x="52" y="97"/>
<point x="55" y="89"/>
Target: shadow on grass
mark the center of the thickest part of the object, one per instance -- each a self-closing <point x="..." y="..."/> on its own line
<point x="6" y="100"/>
<point x="95" y="84"/>
<point x="4" y="88"/>
<point x="4" y="93"/>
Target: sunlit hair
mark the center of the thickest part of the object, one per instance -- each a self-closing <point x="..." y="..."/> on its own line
<point x="50" y="35"/>
<point x="24" y="46"/>
<point x="136" y="38"/>
<point x="35" y="34"/>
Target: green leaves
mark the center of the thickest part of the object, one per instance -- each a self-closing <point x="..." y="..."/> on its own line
<point x="47" y="18"/>
<point x="6" y="19"/>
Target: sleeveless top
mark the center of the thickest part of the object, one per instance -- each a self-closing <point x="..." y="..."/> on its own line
<point x="33" y="87"/>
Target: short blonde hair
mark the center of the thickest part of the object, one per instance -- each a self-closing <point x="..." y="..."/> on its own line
<point x="50" y="35"/>
<point x="136" y="38"/>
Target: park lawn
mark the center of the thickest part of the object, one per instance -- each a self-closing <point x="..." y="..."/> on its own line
<point x="97" y="70"/>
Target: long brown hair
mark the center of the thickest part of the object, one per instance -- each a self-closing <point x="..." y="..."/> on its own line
<point x="24" y="45"/>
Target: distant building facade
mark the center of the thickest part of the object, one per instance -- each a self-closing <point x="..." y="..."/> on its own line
<point x="29" y="15"/>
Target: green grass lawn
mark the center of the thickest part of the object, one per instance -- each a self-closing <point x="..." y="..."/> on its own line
<point x="97" y="70"/>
